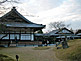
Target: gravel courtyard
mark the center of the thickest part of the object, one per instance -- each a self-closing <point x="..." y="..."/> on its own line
<point x="29" y="54"/>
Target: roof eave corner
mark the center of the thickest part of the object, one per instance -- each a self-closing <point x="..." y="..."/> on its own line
<point x="44" y="26"/>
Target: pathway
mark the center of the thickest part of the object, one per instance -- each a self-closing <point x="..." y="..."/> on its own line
<point x="28" y="54"/>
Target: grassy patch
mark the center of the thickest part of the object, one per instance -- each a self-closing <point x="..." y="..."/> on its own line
<point x="5" y="58"/>
<point x="73" y="53"/>
<point x="2" y="48"/>
<point x="41" y="48"/>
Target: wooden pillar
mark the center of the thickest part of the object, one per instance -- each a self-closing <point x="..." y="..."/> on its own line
<point x="20" y="35"/>
<point x="30" y="35"/>
<point x="33" y="34"/>
<point x="14" y="35"/>
<point x="9" y="35"/>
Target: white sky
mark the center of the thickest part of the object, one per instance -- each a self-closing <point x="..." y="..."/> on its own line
<point x="46" y="11"/>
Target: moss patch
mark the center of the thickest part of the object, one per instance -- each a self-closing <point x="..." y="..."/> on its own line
<point x="41" y="48"/>
<point x="2" y="48"/>
<point x="5" y="58"/>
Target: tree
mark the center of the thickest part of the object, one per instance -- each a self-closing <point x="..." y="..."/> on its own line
<point x="71" y="29"/>
<point x="3" y="1"/>
<point x="2" y="29"/>
<point x="3" y="8"/>
<point x="58" y="25"/>
<point x="78" y="31"/>
<point x="40" y="31"/>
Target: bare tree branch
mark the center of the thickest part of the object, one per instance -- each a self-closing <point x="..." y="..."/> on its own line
<point x="3" y="7"/>
<point x="58" y="25"/>
<point x="3" y="1"/>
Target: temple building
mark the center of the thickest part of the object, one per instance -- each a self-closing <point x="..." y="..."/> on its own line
<point x="18" y="27"/>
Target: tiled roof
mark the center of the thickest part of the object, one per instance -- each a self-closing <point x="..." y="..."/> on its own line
<point x="15" y="11"/>
<point x="15" y="24"/>
<point x="38" y="34"/>
<point x="27" y="23"/>
<point x="57" y="32"/>
<point x="79" y="34"/>
<point x="67" y="36"/>
<point x="51" y="33"/>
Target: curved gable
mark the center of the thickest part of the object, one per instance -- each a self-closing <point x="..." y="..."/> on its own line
<point x="64" y="31"/>
<point x="14" y="16"/>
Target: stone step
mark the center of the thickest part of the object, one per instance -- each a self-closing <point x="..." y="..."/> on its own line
<point x="12" y="45"/>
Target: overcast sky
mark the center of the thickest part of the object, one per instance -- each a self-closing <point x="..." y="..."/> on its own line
<point x="46" y="11"/>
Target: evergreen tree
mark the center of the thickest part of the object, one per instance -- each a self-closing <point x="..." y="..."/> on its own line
<point x="40" y="31"/>
<point x="71" y="29"/>
<point x="2" y="28"/>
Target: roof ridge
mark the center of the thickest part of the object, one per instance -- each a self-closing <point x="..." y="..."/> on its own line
<point x="14" y="9"/>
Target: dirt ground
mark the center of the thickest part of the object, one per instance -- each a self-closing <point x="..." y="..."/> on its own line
<point x="29" y="54"/>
